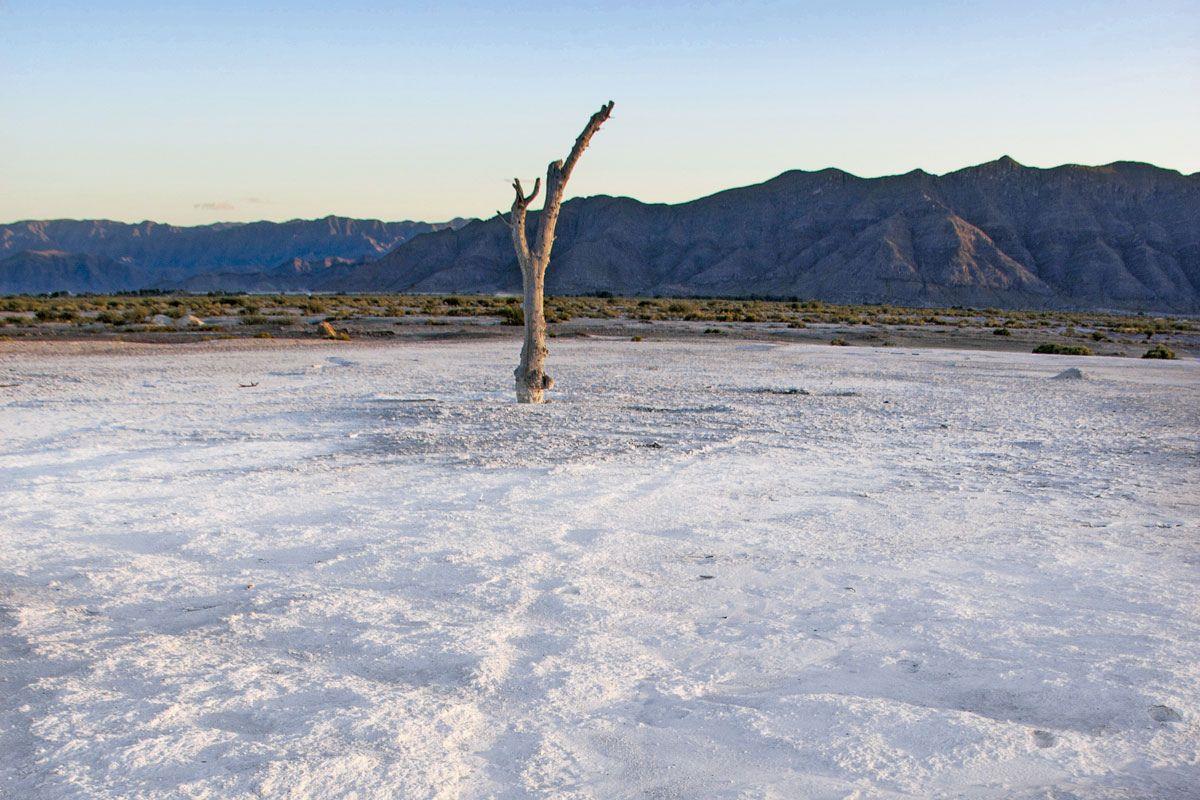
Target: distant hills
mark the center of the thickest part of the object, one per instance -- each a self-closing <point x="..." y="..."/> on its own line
<point x="102" y="255"/>
<point x="45" y="271"/>
<point x="1122" y="236"/>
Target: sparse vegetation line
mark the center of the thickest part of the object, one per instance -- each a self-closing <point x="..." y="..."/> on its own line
<point x="156" y="317"/>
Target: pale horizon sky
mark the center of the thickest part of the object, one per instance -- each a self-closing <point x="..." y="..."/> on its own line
<point x="194" y="112"/>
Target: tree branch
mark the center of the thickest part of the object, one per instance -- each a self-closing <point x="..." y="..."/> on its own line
<point x="557" y="174"/>
<point x="522" y="200"/>
<point x="516" y="225"/>
<point x="589" y="130"/>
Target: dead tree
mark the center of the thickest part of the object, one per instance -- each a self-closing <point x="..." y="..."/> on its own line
<point x="532" y="380"/>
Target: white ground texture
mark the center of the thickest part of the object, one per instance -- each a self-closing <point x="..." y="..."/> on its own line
<point x="934" y="574"/>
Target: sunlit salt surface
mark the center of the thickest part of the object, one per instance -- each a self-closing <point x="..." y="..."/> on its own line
<point x="707" y="570"/>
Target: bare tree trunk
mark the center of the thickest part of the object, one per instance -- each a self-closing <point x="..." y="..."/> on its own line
<point x="531" y="377"/>
<point x="532" y="382"/>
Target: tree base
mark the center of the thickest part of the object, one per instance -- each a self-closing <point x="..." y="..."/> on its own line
<point x="533" y="396"/>
<point x="532" y="387"/>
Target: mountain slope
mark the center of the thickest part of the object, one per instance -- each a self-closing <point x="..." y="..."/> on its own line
<point x="44" y="271"/>
<point x="294" y="275"/>
<point x="1121" y="236"/>
<point x="172" y="253"/>
<point x="1126" y="235"/>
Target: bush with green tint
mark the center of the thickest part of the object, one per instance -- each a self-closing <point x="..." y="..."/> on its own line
<point x="1062" y="349"/>
<point x="1160" y="351"/>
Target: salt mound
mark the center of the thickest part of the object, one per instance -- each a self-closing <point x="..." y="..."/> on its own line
<point x="188" y="321"/>
<point x="1069" y="374"/>
<point x="161" y="319"/>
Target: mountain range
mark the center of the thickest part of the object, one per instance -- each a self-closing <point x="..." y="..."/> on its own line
<point x="103" y="256"/>
<point x="1122" y="236"/>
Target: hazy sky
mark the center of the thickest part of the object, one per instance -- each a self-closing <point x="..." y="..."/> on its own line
<point x="193" y="112"/>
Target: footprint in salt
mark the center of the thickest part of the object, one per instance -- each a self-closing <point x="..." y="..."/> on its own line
<point x="1164" y="714"/>
<point x="1044" y="738"/>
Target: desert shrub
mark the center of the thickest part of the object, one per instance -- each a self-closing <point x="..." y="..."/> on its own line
<point x="259" y="319"/>
<point x="1097" y="336"/>
<point x="1160" y="351"/>
<point x="329" y="332"/>
<point x="635" y="338"/>
<point x="512" y="315"/>
<point x="1062" y="349"/>
<point x="1002" y="332"/>
<point x="56" y="315"/>
<point x="839" y="343"/>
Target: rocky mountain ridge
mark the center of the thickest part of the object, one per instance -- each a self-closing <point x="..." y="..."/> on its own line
<point x="168" y="253"/>
<point x="1123" y="236"/>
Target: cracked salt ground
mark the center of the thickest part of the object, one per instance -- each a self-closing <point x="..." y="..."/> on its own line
<point x="932" y="574"/>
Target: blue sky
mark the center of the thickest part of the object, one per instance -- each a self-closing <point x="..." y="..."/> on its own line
<point x="192" y="112"/>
